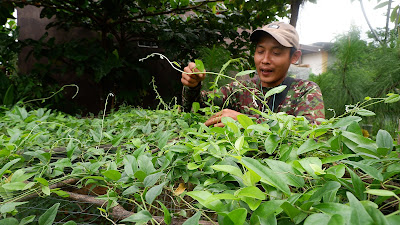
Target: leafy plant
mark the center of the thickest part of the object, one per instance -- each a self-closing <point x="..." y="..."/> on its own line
<point x="353" y="78"/>
<point x="121" y="32"/>
<point x="283" y="170"/>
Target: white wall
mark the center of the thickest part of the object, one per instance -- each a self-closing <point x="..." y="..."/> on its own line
<point x="315" y="60"/>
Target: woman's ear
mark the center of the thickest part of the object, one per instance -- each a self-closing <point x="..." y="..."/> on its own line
<point x="295" y="57"/>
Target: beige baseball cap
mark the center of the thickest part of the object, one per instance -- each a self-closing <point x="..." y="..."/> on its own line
<point x="284" y="33"/>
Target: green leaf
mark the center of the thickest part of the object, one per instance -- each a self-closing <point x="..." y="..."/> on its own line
<point x="146" y="164"/>
<point x="250" y="178"/>
<point x="380" y="192"/>
<point x="112" y="174"/>
<point x="199" y="65"/>
<point x="332" y="208"/>
<point x="309" y="145"/>
<point x="70" y="223"/>
<point x="192" y="166"/>
<point x="233" y="126"/>
<point x="266" y="173"/>
<point x="15" y="186"/>
<point x="346" y="121"/>
<point x="194" y="220"/>
<point x="264" y="211"/>
<point x="46" y="190"/>
<point x="310" y="164"/>
<point x="393" y="219"/>
<point x="392" y="98"/>
<point x="336" y="220"/>
<point x="42" y="181"/>
<point x="228" y="169"/>
<point x="290" y="175"/>
<point x="130" y="165"/>
<point x="152" y="179"/>
<point x="239" y="143"/>
<point x="365" y="112"/>
<point x="141" y="217"/>
<point x="48" y="217"/>
<point x="8" y="165"/>
<point x="291" y="210"/>
<point x="358" y="185"/>
<point x="330" y="186"/>
<point x="275" y="90"/>
<point x="336" y="158"/>
<point x="359" y="215"/>
<point x="263" y="128"/>
<point x="384" y="140"/>
<point x="9" y="221"/>
<point x="367" y="169"/>
<point x="251" y="192"/>
<point x="131" y="190"/>
<point x="359" y="144"/>
<point x="238" y="216"/>
<point x="395" y="14"/>
<point x="167" y="215"/>
<point x="153" y="192"/>
<point x="338" y="170"/>
<point x="117" y="139"/>
<point x="244" y="120"/>
<point x="180" y="149"/>
<point x="381" y="5"/>
<point x="317" y="219"/>
<point x="147" y="129"/>
<point x="271" y="142"/>
<point x="245" y="72"/>
<point x="28" y="220"/>
<point x="377" y="216"/>
<point x="227" y="196"/>
<point x="195" y="106"/>
<point x="207" y="199"/>
<point x="9" y="207"/>
<point x="96" y="135"/>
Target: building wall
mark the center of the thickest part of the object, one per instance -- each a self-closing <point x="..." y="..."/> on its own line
<point x="315" y="62"/>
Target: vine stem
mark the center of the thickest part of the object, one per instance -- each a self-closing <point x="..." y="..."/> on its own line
<point x="61" y="89"/>
<point x="175" y="64"/>
<point x="193" y="208"/>
<point x="393" y="213"/>
<point x="104" y="115"/>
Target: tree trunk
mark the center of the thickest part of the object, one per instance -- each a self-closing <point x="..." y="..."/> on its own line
<point x="294" y="11"/>
<point x="369" y="25"/>
<point x="387" y="20"/>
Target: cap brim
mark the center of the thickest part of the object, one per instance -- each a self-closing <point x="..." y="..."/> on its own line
<point x="257" y="34"/>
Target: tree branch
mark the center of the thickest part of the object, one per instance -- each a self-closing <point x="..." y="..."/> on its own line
<point x="387" y="20"/>
<point x="119" y="213"/>
<point x="369" y="25"/>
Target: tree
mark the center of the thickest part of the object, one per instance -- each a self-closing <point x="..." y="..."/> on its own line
<point x="177" y="26"/>
<point x="295" y="8"/>
<point x="392" y="14"/>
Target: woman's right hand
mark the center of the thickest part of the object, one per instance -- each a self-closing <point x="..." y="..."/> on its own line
<point x="192" y="80"/>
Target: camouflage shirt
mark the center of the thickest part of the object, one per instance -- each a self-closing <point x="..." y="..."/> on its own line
<point x="304" y="98"/>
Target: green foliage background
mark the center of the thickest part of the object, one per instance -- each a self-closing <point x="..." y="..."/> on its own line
<point x="110" y="57"/>
<point x="361" y="70"/>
